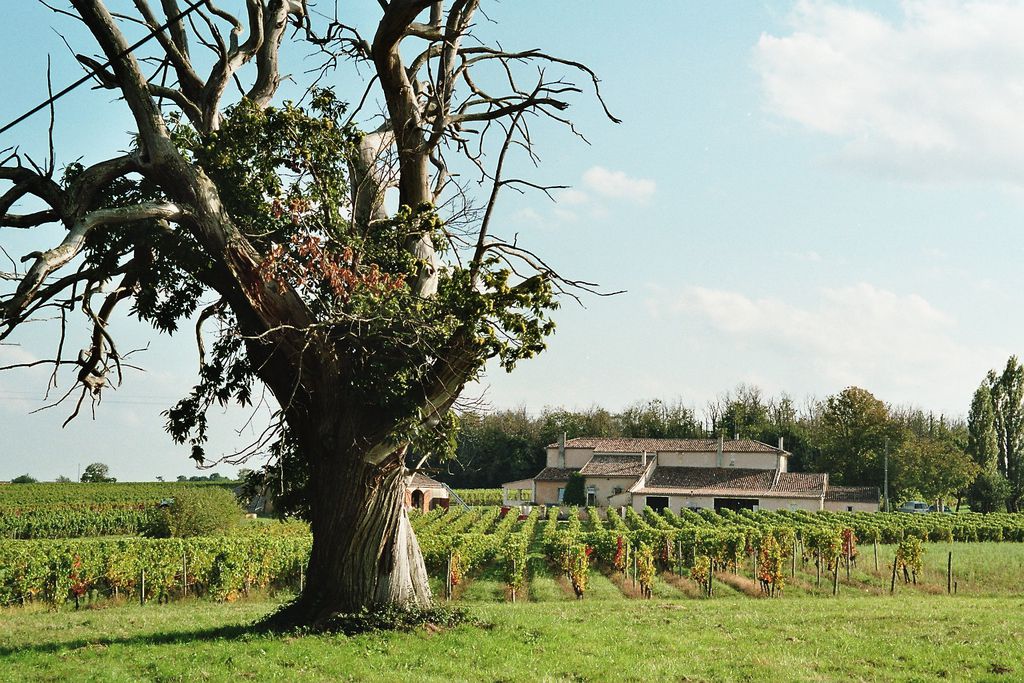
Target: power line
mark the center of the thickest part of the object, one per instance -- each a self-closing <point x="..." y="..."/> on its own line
<point x="101" y="67"/>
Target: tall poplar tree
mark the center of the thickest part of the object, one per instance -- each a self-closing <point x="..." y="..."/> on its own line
<point x="982" y="444"/>
<point x="1008" y="407"/>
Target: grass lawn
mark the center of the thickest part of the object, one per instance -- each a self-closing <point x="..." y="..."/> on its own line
<point x="909" y="637"/>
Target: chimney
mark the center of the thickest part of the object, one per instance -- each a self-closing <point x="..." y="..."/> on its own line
<point x="721" y="439"/>
<point x="561" y="451"/>
<point x="645" y="459"/>
<point x="781" y="440"/>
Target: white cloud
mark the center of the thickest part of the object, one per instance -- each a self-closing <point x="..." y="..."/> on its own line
<point x="897" y="345"/>
<point x="937" y="94"/>
<point x="602" y="189"/>
<point x="573" y="197"/>
<point x="618" y="185"/>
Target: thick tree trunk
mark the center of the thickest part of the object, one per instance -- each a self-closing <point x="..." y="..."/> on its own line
<point x="365" y="555"/>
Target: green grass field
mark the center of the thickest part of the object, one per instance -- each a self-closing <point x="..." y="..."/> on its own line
<point x="864" y="634"/>
<point x="910" y="637"/>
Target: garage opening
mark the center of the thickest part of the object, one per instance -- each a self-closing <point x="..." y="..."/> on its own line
<point x="735" y="504"/>
<point x="657" y="503"/>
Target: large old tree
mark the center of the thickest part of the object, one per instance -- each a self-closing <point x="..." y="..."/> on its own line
<point x="265" y="223"/>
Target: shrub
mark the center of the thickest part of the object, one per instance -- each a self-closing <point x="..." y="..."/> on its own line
<point x="575" y="490"/>
<point x="197" y="511"/>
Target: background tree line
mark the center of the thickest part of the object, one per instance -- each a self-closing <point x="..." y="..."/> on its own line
<point x="933" y="457"/>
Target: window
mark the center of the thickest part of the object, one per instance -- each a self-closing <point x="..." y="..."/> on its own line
<point x="849" y="508"/>
<point x="591" y="495"/>
<point x="561" y="495"/>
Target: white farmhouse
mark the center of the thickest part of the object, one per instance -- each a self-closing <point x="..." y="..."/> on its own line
<point x="691" y="473"/>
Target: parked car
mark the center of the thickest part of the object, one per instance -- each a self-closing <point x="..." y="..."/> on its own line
<point x="917" y="507"/>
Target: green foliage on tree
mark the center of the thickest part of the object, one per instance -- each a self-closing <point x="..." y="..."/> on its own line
<point x="215" y="476"/>
<point x="496" y="447"/>
<point x="593" y="422"/>
<point x="1008" y="406"/>
<point x="24" y="479"/>
<point x="989" y="492"/>
<point x="742" y="413"/>
<point x="933" y="466"/>
<point x="852" y="432"/>
<point x="97" y="473"/>
<point x="982" y="443"/>
<point x="575" y="490"/>
<point x="747" y="413"/>
<point x="196" y="511"/>
<point x="660" y="420"/>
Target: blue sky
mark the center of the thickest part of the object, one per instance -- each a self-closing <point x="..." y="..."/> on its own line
<point x="802" y="196"/>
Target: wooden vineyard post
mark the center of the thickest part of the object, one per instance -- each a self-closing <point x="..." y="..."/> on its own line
<point x="448" y="579"/>
<point x="302" y="577"/>
<point x="849" y="557"/>
<point x="949" y="573"/>
<point x="817" y="569"/>
<point x="876" y="553"/>
<point x="142" y="587"/>
<point x="892" y="584"/>
<point x="711" y="576"/>
<point x="634" y="570"/>
<point x="679" y="557"/>
<point x="835" y="579"/>
<point x="184" y="574"/>
<point x="755" y="564"/>
<point x="514" y="574"/>
<point x="792" y="571"/>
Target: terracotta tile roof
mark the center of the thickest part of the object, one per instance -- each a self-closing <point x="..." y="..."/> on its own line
<point x="711" y="478"/>
<point x="800" y="482"/>
<point x="614" y="466"/>
<point x="630" y="445"/>
<point x="852" y="494"/>
<point x="710" y="481"/>
<point x="555" y="474"/>
<point x="422" y="481"/>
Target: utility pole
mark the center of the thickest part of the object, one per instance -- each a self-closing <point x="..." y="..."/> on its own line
<point x="886" y="493"/>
